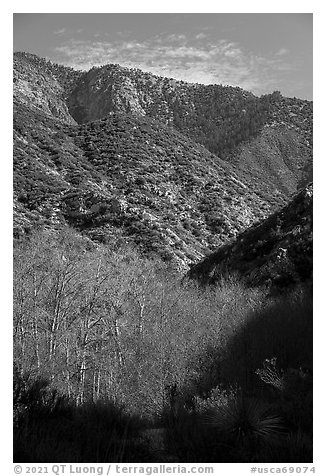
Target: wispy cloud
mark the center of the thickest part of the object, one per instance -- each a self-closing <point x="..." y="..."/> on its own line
<point x="282" y="52"/>
<point x="60" y="32"/>
<point x="175" y="55"/>
<point x="174" y="37"/>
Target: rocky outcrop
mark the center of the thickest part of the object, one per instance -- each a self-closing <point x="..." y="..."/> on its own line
<point x="36" y="88"/>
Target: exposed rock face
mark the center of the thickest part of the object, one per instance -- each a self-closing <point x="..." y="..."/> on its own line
<point x="113" y="88"/>
<point x="277" y="252"/>
<point x="37" y="87"/>
<point x="97" y="95"/>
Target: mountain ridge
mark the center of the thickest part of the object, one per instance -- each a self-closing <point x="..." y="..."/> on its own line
<point x="124" y="155"/>
<point x="228" y="121"/>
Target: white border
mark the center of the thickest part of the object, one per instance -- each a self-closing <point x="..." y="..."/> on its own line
<point x="167" y="6"/>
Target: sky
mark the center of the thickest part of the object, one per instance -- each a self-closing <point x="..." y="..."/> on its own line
<point x="260" y="52"/>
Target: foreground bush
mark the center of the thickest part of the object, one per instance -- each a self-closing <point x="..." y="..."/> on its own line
<point x="231" y="427"/>
<point x="49" y="427"/>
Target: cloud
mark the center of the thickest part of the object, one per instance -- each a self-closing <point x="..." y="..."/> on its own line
<point x="60" y="32"/>
<point x="282" y="52"/>
<point x="179" y="57"/>
<point x="233" y="53"/>
<point x="175" y="38"/>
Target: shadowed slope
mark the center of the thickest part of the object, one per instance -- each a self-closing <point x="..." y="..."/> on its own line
<point x="278" y="251"/>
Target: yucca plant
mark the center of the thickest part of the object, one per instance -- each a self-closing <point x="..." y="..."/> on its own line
<point x="271" y="375"/>
<point x="245" y="419"/>
<point x="295" y="392"/>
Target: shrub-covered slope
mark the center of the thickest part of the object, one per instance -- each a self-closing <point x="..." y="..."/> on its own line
<point x="277" y="252"/>
<point x="270" y="136"/>
<point x="282" y="152"/>
<point x="139" y="173"/>
<point x="132" y="178"/>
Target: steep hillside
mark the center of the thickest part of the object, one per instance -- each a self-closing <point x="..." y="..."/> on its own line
<point x="67" y="77"/>
<point x="277" y="252"/>
<point x="270" y="136"/>
<point x="216" y="116"/>
<point x="128" y="177"/>
<point x="282" y="151"/>
<point x="43" y="85"/>
<point x="133" y="168"/>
